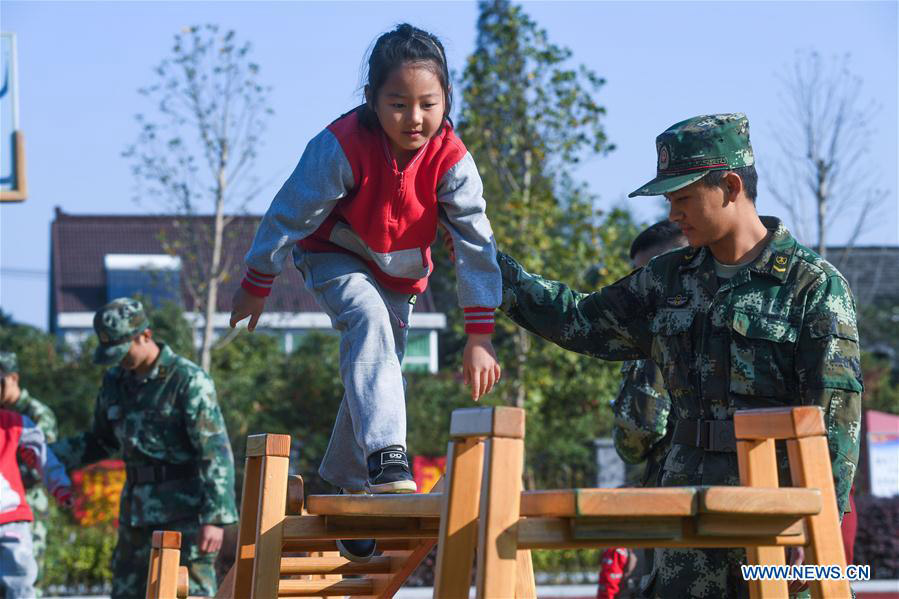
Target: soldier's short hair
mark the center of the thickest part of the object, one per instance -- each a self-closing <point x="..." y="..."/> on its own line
<point x="747" y="173"/>
<point x="662" y="235"/>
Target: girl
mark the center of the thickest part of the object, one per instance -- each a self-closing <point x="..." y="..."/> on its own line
<point x="359" y="214"/>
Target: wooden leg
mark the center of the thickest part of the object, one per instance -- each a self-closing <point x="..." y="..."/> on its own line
<point x="525" y="585"/>
<point x="810" y="467"/>
<point x="242" y="578"/>
<point x="757" y="462"/>
<point x="153" y="575"/>
<point x="459" y="517"/>
<point x="165" y="553"/>
<point x="273" y="500"/>
<point x="498" y="519"/>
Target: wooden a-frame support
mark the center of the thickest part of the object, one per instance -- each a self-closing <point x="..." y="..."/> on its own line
<point x="481" y="514"/>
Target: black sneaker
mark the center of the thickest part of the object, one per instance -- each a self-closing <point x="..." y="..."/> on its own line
<point x="388" y="471"/>
<point x="356" y="550"/>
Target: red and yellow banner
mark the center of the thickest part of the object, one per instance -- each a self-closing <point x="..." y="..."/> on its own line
<point x="97" y="489"/>
<point x="427" y="471"/>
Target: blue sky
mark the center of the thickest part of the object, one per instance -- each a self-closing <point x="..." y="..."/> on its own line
<point x="80" y="65"/>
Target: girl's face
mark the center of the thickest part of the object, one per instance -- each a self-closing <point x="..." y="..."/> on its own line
<point x="410" y="107"/>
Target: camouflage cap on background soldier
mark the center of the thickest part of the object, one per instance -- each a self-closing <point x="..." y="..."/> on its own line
<point x="116" y="325"/>
<point x="689" y="149"/>
<point x="8" y="363"/>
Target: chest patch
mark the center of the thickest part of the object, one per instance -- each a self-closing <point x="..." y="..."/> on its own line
<point x="677" y="301"/>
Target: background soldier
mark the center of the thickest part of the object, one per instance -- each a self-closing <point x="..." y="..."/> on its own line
<point x="160" y="411"/>
<point x="746" y="317"/>
<point x="642" y="408"/>
<point x="17" y="399"/>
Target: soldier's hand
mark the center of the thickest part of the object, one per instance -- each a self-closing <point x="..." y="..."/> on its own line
<point x="64" y="497"/>
<point x="479" y="365"/>
<point x="795" y="557"/>
<point x="245" y="304"/>
<point x="210" y="538"/>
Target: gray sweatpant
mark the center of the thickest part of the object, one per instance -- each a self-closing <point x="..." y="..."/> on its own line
<point x="18" y="568"/>
<point x="373" y="325"/>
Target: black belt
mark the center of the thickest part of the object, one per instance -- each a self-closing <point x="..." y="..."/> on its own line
<point x="710" y="435"/>
<point x="158" y="473"/>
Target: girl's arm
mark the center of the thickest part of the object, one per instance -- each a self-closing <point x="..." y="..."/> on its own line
<point x="479" y="284"/>
<point x="463" y="214"/>
<point x="322" y="177"/>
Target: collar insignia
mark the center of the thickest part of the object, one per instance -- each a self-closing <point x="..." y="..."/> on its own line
<point x="780" y="263"/>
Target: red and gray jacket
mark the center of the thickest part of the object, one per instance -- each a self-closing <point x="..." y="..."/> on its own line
<point x="18" y="430"/>
<point x="347" y="195"/>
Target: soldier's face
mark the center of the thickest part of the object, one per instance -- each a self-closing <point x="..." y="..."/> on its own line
<point x="703" y="213"/>
<point x="10" y="389"/>
<point x="139" y="352"/>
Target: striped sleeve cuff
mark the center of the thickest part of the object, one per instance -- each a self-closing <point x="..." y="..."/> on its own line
<point x="478" y="319"/>
<point x="257" y="283"/>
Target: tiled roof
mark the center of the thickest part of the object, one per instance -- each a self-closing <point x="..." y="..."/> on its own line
<point x="80" y="242"/>
<point x="872" y="271"/>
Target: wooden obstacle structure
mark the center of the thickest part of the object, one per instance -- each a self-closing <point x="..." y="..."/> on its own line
<point x="482" y="513"/>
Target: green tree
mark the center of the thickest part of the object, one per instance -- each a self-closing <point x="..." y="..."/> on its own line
<point x="528" y="116"/>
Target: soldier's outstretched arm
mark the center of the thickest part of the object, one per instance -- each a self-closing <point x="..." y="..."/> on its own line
<point x="94" y="445"/>
<point x="208" y="435"/>
<point x="605" y="324"/>
<point x="829" y="371"/>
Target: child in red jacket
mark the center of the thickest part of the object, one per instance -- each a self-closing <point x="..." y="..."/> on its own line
<point x="615" y="565"/>
<point x="359" y="214"/>
<point x="20" y="437"/>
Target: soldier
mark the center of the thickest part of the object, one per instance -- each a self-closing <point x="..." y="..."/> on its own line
<point x="160" y="411"/>
<point x="642" y="408"/>
<point x="746" y="317"/>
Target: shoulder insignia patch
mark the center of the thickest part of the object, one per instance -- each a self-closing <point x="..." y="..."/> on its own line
<point x="677" y="301"/>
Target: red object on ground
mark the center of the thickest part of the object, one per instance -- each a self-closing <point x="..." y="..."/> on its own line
<point x="849" y="527"/>
<point x="612" y="565"/>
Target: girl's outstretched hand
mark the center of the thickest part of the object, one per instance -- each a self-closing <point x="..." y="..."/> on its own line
<point x="479" y="365"/>
<point x="245" y="304"/>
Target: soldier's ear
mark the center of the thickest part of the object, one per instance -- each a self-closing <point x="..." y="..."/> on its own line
<point x="733" y="186"/>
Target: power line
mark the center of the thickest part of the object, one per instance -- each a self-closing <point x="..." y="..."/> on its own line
<point x="24" y="272"/>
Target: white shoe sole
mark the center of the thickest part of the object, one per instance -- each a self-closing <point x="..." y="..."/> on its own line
<point x="400" y="486"/>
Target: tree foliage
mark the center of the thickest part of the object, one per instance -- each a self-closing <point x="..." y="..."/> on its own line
<point x="528" y="116"/>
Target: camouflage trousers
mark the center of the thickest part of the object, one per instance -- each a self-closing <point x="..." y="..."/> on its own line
<point x="132" y="555"/>
<point x="39" y="502"/>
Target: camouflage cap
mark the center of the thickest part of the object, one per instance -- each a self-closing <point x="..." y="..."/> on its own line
<point x="116" y="324"/>
<point x="689" y="149"/>
<point x="8" y="363"/>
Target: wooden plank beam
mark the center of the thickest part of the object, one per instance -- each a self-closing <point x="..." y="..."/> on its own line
<point x="725" y="525"/>
<point x="399" y="505"/>
<point x="636" y="502"/>
<point x="498" y="421"/>
<point x="779" y="423"/>
<point x="334" y="565"/>
<point x="297" y="528"/>
<point x="787" y="501"/>
<point x="555" y="533"/>
<point x="324" y="588"/>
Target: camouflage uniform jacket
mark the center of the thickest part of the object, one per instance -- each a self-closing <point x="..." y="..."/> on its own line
<point x="169" y="418"/>
<point x="45" y="420"/>
<point x="642" y="410"/>
<point x="781" y="332"/>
